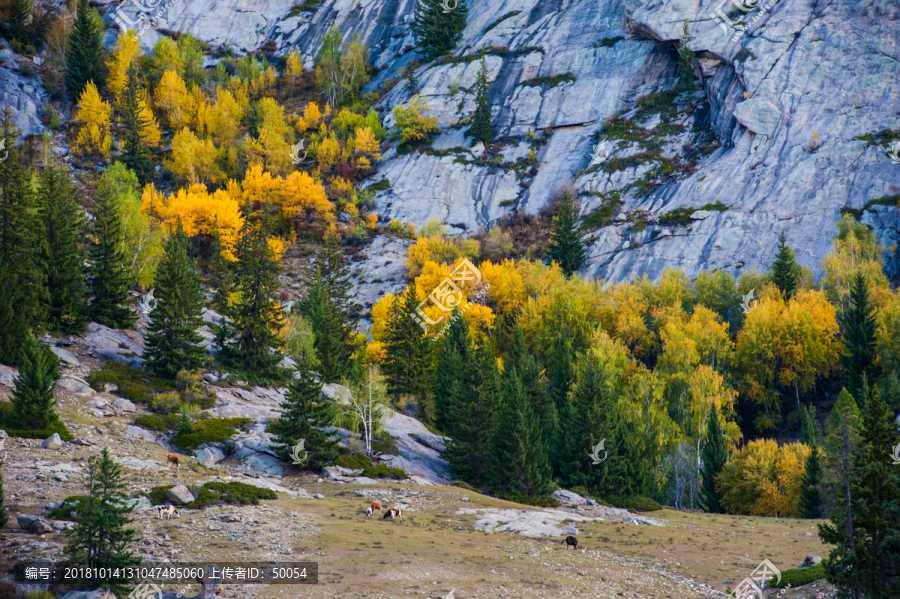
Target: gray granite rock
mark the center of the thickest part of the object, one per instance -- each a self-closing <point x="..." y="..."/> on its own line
<point x="124" y="405"/>
<point x="34" y="524"/>
<point x="65" y="356"/>
<point x="179" y="495"/>
<point x="75" y="385"/>
<point x="52" y="442"/>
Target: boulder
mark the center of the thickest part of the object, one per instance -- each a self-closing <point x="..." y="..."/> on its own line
<point x="809" y="562"/>
<point x="643" y="521"/>
<point x="34" y="524"/>
<point x="75" y="385"/>
<point x="124" y="405"/>
<point x="265" y="464"/>
<point x="319" y="496"/>
<point x="52" y="442"/>
<point x="569" y="498"/>
<point x="138" y="464"/>
<point x="8" y="376"/>
<point x="339" y="473"/>
<point x="65" y="356"/>
<point x="179" y="495"/>
<point x="205" y="457"/>
<point x="139" y="433"/>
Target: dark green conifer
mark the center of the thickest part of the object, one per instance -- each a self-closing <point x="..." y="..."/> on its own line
<point x="32" y="400"/>
<point x="438" y="30"/>
<point x="84" y="53"/>
<point x="482" y="122"/>
<point x="306" y="414"/>
<point x="15" y="25"/>
<point x="220" y="274"/>
<point x="518" y="358"/>
<point x="860" y="324"/>
<point x="108" y="275"/>
<point x="452" y="366"/>
<point x="408" y="351"/>
<point x="686" y="60"/>
<point x="172" y="341"/>
<point x="136" y="155"/>
<point x="714" y="456"/>
<point x="810" y="494"/>
<point x="785" y="272"/>
<point x="566" y="247"/>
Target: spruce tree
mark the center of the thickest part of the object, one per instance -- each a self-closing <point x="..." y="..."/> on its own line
<point x="32" y="400"/>
<point x="101" y="535"/>
<point x="844" y="400"/>
<point x="810" y="494"/>
<point x="84" y="53"/>
<point x="437" y="31"/>
<point x="13" y="329"/>
<point x="686" y="59"/>
<point x="476" y="417"/>
<point x="412" y="82"/>
<point x="565" y="246"/>
<point x="306" y="414"/>
<point x="627" y="470"/>
<point x="172" y="341"/>
<point x="866" y="527"/>
<point x="220" y="274"/>
<point x="859" y="323"/>
<point x="408" y="350"/>
<point x="808" y="433"/>
<point x="785" y="272"/>
<point x="62" y="258"/>
<point x="529" y="372"/>
<point x="519" y="463"/>
<point x="482" y="121"/>
<point x="452" y="367"/>
<point x="16" y="23"/>
<point x="136" y="156"/>
<point x="560" y="383"/>
<point x="108" y="275"/>
<point x="714" y="456"/>
<point x="249" y="341"/>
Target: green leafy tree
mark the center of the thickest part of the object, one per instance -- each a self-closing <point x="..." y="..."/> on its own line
<point x="436" y="30"/>
<point x="172" y="341"/>
<point x="451" y="375"/>
<point x="714" y="456"/>
<point x="860" y="323"/>
<point x="32" y="400"/>
<point x="136" y="155"/>
<point x="785" y="272"/>
<point x="84" y="53"/>
<point x="341" y="68"/>
<point x="686" y="59"/>
<point x="482" y="121"/>
<point x="249" y="341"/>
<point x="108" y="274"/>
<point x="475" y="419"/>
<point x="407" y="364"/>
<point x="63" y="223"/>
<point x="101" y="535"/>
<point x="866" y="527"/>
<point x="565" y="246"/>
<point x="306" y="414"/>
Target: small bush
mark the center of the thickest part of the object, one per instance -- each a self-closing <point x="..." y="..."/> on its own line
<point x="58" y="427"/>
<point x="382" y="471"/>
<point x="166" y="403"/>
<point x="69" y="505"/>
<point x="551" y="80"/>
<point x="382" y="185"/>
<point x="635" y="503"/>
<point x="464" y="485"/>
<point x="132" y="383"/>
<point x="215" y="492"/>
<point x="798" y="577"/>
<point x="357" y="461"/>
<point x="413" y="123"/>
<point x="531" y="500"/>
<point x="158" y="422"/>
<point x="39" y="594"/>
<point x="213" y="430"/>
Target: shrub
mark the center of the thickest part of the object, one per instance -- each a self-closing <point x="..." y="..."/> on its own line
<point x="158" y="422"/>
<point x="551" y="80"/>
<point x="635" y="503"/>
<point x="166" y="403"/>
<point x="356" y="461"/>
<point x="413" y="123"/>
<point x="64" y="511"/>
<point x="133" y="384"/>
<point x="6" y="409"/>
<point x="215" y="492"/>
<point x="464" y="485"/>
<point x="530" y="500"/>
<point x="39" y="594"/>
<point x="213" y="430"/>
<point x="382" y="471"/>
<point x="798" y="577"/>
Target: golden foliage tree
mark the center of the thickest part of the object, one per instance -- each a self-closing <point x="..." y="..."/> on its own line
<point x="126" y="49"/>
<point x="294" y="66"/>
<point x="193" y="159"/>
<point x="172" y="98"/>
<point x="412" y="121"/>
<point x="97" y="118"/>
<point x="222" y="120"/>
<point x="763" y="479"/>
<point x="366" y="144"/>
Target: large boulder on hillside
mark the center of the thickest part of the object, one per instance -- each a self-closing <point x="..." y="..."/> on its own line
<point x="34" y="524"/>
<point x="52" y="442"/>
<point x="569" y="498"/>
<point x="179" y="495"/>
<point x="74" y="384"/>
<point x="810" y="561"/>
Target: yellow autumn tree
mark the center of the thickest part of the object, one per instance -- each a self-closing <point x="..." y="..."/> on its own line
<point x="165" y="57"/>
<point x="763" y="479"/>
<point x="412" y="121"/>
<point x="174" y="100"/>
<point x="126" y="49"/>
<point x="151" y="135"/>
<point x="272" y="149"/>
<point x="96" y="116"/>
<point x="222" y="120"/>
<point x="294" y="66"/>
<point x="855" y="249"/>
<point x="507" y="287"/>
<point x="193" y="159"/>
<point x="303" y="200"/>
<point x="312" y="117"/>
<point x="366" y="144"/>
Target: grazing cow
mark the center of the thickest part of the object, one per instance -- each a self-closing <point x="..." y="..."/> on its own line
<point x="570" y="540"/>
<point x="172" y="459"/>
<point x="167" y="511"/>
<point x="376" y="505"/>
<point x="393" y="513"/>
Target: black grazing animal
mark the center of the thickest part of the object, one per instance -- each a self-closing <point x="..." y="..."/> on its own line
<point x="570" y="540"/>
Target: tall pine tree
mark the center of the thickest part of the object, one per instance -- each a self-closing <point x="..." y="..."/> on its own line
<point x="101" y="535"/>
<point x="306" y="414"/>
<point x="437" y="30"/>
<point x="32" y="400"/>
<point x="452" y="367"/>
<point x="714" y="456"/>
<point x="249" y="341"/>
<point x="84" y="53"/>
<point x="13" y="329"/>
<point x="565" y="246"/>
<point x="785" y="272"/>
<point x="62" y="257"/>
<point x="172" y="341"/>
<point x="529" y="372"/>
<point x="408" y="352"/>
<point x="859" y="324"/>
<point x="560" y="384"/>
<point x="866" y="527"/>
<point x="136" y="155"/>
<point x="220" y="273"/>
<point x="810" y="494"/>
<point x="482" y="122"/>
<point x="15" y="25"/>
<point x="108" y="275"/>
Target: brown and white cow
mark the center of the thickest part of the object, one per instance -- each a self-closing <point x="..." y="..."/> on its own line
<point x="393" y="513"/>
<point x="171" y="458"/>
<point x="375" y="505"/>
<point x="167" y="511"/>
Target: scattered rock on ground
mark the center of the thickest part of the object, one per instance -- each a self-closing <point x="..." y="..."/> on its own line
<point x="810" y="561"/>
<point x="52" y="442"/>
<point x="34" y="524"/>
<point x="179" y="495"/>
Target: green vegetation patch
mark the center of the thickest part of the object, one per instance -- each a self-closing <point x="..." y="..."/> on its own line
<point x="298" y="8"/>
<point x="215" y="492"/>
<point x="550" y="81"/>
<point x="798" y="577"/>
<point x="537" y="501"/>
<point x="682" y="216"/>
<point x="489" y="51"/>
<point x="893" y="200"/>
<point x="158" y="422"/>
<point x="608" y="42"/>
<point x="134" y="384"/>
<point x="885" y="137"/>
<point x="69" y="505"/>
<point x="359" y="461"/>
<point x="508" y="15"/>
<point x="212" y="430"/>
<point x="6" y="410"/>
<point x="464" y="485"/>
<point x="602" y="216"/>
<point x="635" y="503"/>
<point x="382" y="185"/>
